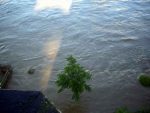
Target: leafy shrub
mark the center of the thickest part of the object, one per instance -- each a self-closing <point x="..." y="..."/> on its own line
<point x="143" y="111"/>
<point x="125" y="110"/>
<point x="122" y="110"/>
<point x="74" y="77"/>
<point x="144" y="80"/>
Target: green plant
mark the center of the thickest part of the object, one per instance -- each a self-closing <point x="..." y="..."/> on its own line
<point x="74" y="77"/>
<point x="144" y="80"/>
<point x="122" y="110"/>
<point x="125" y="110"/>
<point x="143" y="111"/>
<point x="46" y="106"/>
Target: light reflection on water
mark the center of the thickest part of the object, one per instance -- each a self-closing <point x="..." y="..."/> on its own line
<point x="108" y="37"/>
<point x="63" y="5"/>
<point x="51" y="49"/>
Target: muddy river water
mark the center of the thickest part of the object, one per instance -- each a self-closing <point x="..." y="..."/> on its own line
<point x="111" y="38"/>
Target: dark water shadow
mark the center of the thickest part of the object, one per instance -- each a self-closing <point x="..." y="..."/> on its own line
<point x="74" y="108"/>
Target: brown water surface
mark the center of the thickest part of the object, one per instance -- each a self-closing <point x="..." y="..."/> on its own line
<point x="111" y="38"/>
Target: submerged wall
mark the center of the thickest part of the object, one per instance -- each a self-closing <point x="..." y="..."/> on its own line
<point x="13" y="101"/>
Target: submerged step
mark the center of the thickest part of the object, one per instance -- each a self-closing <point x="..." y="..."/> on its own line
<point x="14" y="101"/>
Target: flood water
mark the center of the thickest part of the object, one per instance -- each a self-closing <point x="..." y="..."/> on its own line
<point x="111" y="38"/>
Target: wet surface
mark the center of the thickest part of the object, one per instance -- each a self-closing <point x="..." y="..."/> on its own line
<point x="111" y="38"/>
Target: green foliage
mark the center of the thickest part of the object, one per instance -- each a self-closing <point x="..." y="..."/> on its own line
<point x="125" y="110"/>
<point x="47" y="106"/>
<point x="122" y="110"/>
<point x="144" y="80"/>
<point x="74" y="77"/>
<point x="143" y="111"/>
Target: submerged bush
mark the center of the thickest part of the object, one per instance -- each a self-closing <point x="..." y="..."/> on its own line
<point x="143" y="111"/>
<point x="144" y="80"/>
<point x="122" y="110"/>
<point x="74" y="77"/>
<point x="125" y="110"/>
